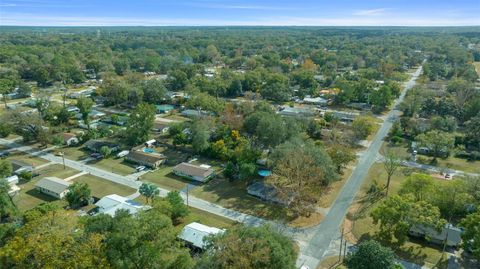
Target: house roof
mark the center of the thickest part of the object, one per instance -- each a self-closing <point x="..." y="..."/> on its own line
<point x="110" y="204"/>
<point x="138" y="155"/>
<point x="53" y="184"/>
<point x="97" y="144"/>
<point x="195" y="233"/>
<point x="67" y="136"/>
<point x="193" y="170"/>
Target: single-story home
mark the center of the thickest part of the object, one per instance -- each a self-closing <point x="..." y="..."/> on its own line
<point x="449" y="232"/>
<point x="345" y="116"/>
<point x="164" y="108"/>
<point x="19" y="167"/>
<point x="200" y="173"/>
<point x="296" y="111"/>
<point x="70" y="139"/>
<point x="192" y="113"/>
<point x="265" y="192"/>
<point x="110" y="204"/>
<point x="53" y="186"/>
<point x="96" y="145"/>
<point x="319" y="101"/>
<point x="195" y="234"/>
<point x="149" y="159"/>
<point x="94" y="114"/>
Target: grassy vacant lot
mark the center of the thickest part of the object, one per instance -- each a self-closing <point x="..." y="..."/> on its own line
<point x="477" y="67"/>
<point x="234" y="195"/>
<point x="117" y="166"/>
<point x="164" y="178"/>
<point x="56" y="170"/>
<point x="331" y="263"/>
<point x="101" y="187"/>
<point x="75" y="153"/>
<point x="26" y="158"/>
<point x="363" y="228"/>
<point x="206" y="218"/>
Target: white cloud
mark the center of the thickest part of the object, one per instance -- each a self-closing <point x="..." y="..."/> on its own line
<point x="372" y="12"/>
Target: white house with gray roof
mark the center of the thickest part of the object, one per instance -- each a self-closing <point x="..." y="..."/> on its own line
<point x="110" y="204"/>
<point x="196" y="233"/>
<point x="53" y="186"/>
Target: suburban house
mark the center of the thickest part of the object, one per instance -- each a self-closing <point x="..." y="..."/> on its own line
<point x="192" y="113"/>
<point x="345" y="116"/>
<point x="161" y="109"/>
<point x="70" y="139"/>
<point x="194" y="234"/>
<point x="449" y="232"/>
<point x="200" y="173"/>
<point x="146" y="157"/>
<point x="265" y="192"/>
<point x="96" y="145"/>
<point x="83" y="93"/>
<point x="19" y="167"/>
<point x="110" y="204"/>
<point x="94" y="114"/>
<point x="296" y="111"/>
<point x="319" y="101"/>
<point x="53" y="186"/>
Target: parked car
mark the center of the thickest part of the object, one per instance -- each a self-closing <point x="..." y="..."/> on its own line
<point x="140" y="168"/>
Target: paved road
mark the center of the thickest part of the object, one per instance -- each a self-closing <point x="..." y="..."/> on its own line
<point x="131" y="182"/>
<point x="327" y="231"/>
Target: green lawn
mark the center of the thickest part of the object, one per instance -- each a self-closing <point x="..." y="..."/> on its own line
<point x="75" y="153"/>
<point x="101" y="187"/>
<point x="56" y="170"/>
<point x="28" y="197"/>
<point x="117" y="166"/>
<point x="26" y="158"/>
<point x="206" y="218"/>
<point x="234" y="195"/>
<point x="164" y="178"/>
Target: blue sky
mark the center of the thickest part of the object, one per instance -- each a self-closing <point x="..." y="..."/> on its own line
<point x="236" y="12"/>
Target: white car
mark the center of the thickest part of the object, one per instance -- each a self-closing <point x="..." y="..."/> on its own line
<point x="140" y="168"/>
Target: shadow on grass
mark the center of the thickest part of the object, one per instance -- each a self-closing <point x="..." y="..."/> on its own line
<point x="41" y="196"/>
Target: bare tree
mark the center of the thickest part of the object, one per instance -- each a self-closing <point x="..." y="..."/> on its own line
<point x="391" y="164"/>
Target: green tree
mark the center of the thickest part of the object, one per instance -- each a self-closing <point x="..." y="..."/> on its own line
<point x="472" y="132"/>
<point x="397" y="214"/>
<point x="53" y="240"/>
<point x="371" y="255"/>
<point x="341" y="156"/>
<point x="154" y="91"/>
<point x="249" y="247"/>
<point x="7" y="206"/>
<point x="149" y="190"/>
<point x="200" y="135"/>
<point x="178" y="208"/>
<point x="7" y="85"/>
<point x="362" y="127"/>
<point x="79" y="194"/>
<point x="5" y="129"/>
<point x="140" y="124"/>
<point x="5" y="168"/>
<point x="471" y="235"/>
<point x="105" y="151"/>
<point x="301" y="171"/>
<point x="85" y="105"/>
<point x="246" y="171"/>
<point x="439" y="143"/>
<point x="419" y="185"/>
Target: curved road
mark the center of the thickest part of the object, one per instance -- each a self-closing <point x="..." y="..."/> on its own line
<point x="327" y="230"/>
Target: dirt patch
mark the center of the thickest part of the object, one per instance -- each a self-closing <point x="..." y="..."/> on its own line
<point x="304" y="222"/>
<point x="348" y="223"/>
